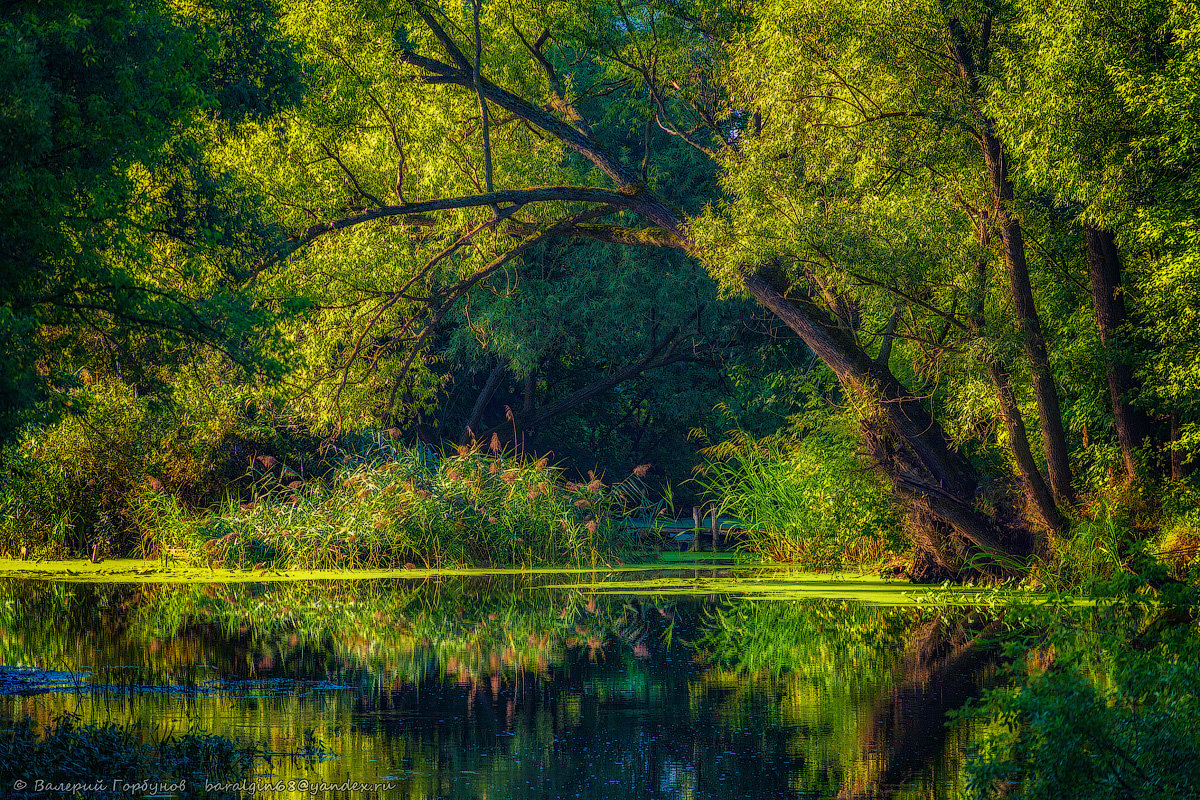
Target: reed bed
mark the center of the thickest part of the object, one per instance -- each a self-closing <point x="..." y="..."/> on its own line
<point x="811" y="502"/>
<point x="395" y="507"/>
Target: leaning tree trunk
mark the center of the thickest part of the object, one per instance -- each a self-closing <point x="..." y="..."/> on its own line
<point x="471" y="428"/>
<point x="1031" y="476"/>
<point x="935" y="483"/>
<point x="1104" y="270"/>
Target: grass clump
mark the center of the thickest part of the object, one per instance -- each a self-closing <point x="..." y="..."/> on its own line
<point x="71" y="759"/>
<point x="1115" y="526"/>
<point x="393" y="506"/>
<point x="811" y="502"/>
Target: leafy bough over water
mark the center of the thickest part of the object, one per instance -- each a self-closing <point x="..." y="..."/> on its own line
<point x="1102" y="705"/>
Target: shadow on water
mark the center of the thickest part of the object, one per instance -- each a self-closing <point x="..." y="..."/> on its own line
<point x="500" y="686"/>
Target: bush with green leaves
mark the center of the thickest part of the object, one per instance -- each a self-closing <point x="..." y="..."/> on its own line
<point x="89" y="478"/>
<point x="76" y="483"/>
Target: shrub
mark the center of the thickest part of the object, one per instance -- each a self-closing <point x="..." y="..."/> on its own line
<point x="90" y="478"/>
<point x="71" y="485"/>
<point x="1110" y="713"/>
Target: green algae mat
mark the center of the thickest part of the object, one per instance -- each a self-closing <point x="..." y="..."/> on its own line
<point x="174" y="571"/>
<point x="676" y="575"/>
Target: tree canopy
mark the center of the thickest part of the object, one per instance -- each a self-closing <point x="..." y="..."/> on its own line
<point x="584" y="225"/>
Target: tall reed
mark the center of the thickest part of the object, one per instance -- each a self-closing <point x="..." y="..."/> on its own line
<point x="395" y="506"/>
<point x="811" y="502"/>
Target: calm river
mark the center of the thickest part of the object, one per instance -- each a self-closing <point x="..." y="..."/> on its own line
<point x="510" y="686"/>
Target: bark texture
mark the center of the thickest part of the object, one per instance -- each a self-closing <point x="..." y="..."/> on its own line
<point x="1104" y="272"/>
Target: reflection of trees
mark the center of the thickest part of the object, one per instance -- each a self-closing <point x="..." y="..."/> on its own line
<point x="503" y="678"/>
<point x="939" y="672"/>
<point x="812" y="668"/>
<point x="866" y="689"/>
<point x="64" y="625"/>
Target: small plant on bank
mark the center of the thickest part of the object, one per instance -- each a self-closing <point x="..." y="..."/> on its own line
<point x="119" y="761"/>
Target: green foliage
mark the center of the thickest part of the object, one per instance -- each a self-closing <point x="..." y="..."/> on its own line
<point x="1106" y="710"/>
<point x="66" y="752"/>
<point x="1117" y="527"/>
<point x="812" y="501"/>
<point x="188" y="184"/>
<point x="392" y="505"/>
<point x="1099" y="105"/>
<point x="120" y="242"/>
<point x="87" y="479"/>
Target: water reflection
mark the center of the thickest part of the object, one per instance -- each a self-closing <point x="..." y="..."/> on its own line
<point x="501" y="686"/>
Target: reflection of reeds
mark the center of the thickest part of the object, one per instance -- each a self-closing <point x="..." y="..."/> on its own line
<point x="390" y="507"/>
<point x="463" y="629"/>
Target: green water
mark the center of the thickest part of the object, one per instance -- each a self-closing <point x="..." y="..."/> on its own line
<point x="520" y="686"/>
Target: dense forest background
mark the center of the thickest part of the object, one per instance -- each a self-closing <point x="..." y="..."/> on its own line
<point x="926" y="272"/>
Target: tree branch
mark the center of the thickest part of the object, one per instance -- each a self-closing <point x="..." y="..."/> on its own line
<point x="518" y="197"/>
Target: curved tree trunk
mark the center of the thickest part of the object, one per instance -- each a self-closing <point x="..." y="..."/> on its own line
<point x="934" y="482"/>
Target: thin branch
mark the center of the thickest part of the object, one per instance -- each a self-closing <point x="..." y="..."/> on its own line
<point x="558" y="95"/>
<point x="357" y="187"/>
<point x="519" y="197"/>
<point x="483" y="110"/>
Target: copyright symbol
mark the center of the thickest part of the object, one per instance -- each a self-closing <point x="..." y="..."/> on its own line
<point x="19" y="785"/>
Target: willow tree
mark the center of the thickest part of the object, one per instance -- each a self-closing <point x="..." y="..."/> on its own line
<point x="1100" y="101"/>
<point x="865" y="201"/>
